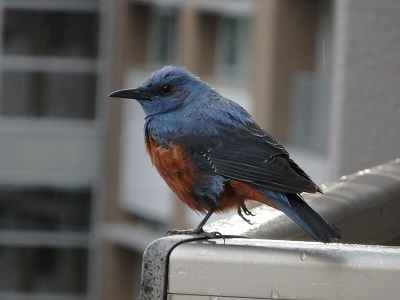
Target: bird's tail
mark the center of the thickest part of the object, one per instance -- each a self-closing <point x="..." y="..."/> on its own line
<point x="307" y="218"/>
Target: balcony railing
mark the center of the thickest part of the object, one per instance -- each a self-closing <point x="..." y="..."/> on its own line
<point x="265" y="265"/>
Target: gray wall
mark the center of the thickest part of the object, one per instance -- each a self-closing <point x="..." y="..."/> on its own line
<point x="365" y="112"/>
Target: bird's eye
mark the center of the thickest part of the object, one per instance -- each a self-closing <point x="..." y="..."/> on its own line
<point x="166" y="88"/>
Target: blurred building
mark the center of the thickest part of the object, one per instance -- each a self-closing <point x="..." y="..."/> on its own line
<point x="51" y="133"/>
<point x="78" y="203"/>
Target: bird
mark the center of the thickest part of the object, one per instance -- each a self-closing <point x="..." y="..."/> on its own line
<point x="215" y="157"/>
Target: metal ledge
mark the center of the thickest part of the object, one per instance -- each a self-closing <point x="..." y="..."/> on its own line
<point x="364" y="205"/>
<point x="269" y="269"/>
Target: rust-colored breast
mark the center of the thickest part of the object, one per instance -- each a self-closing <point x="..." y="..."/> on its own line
<point x="176" y="168"/>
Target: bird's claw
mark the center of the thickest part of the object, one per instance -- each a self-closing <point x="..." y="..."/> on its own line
<point x="243" y="209"/>
<point x="246" y="211"/>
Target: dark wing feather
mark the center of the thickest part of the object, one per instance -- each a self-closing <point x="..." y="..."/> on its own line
<point x="246" y="152"/>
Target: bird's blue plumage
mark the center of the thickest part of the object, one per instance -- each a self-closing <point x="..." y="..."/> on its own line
<point x="225" y="145"/>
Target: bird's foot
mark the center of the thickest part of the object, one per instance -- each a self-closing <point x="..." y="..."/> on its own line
<point x="200" y="232"/>
<point x="247" y="212"/>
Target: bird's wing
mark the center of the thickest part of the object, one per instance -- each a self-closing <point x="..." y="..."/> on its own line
<point x="243" y="151"/>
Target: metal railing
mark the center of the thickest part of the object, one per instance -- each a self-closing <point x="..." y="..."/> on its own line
<point x="364" y="205"/>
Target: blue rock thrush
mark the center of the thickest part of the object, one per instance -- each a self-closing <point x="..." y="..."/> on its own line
<point x="214" y="156"/>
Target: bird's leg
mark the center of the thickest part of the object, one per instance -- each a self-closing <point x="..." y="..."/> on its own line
<point x="199" y="227"/>
<point x="198" y="230"/>
<point x="247" y="212"/>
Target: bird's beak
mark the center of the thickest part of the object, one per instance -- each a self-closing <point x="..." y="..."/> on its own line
<point x="130" y="94"/>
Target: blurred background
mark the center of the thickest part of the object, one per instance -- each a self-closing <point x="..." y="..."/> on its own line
<point x="79" y="199"/>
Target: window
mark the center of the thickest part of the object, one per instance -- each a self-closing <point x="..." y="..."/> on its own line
<point x="50" y="33"/>
<point x="44" y="240"/>
<point x="163" y="32"/>
<point x="233" y="41"/>
<point x="46" y="94"/>
<point x="44" y="208"/>
<point x="42" y="270"/>
<point x="48" y="67"/>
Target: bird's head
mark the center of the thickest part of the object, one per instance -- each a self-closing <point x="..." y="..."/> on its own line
<point x="164" y="90"/>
